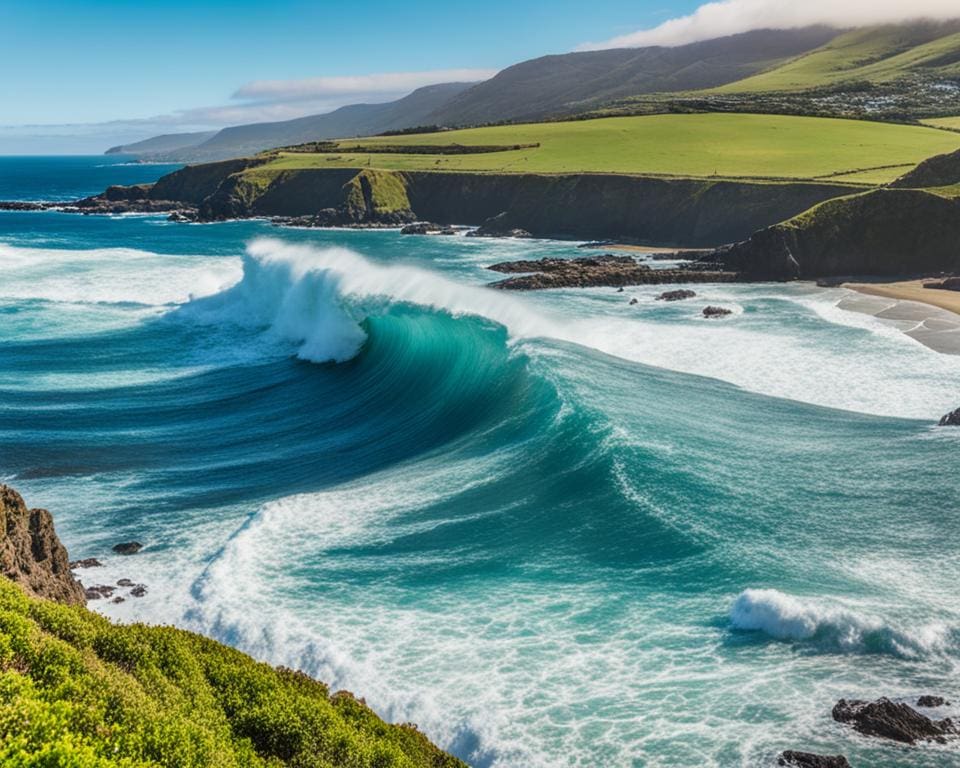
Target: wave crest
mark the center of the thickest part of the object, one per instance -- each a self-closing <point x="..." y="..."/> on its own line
<point x="832" y="627"/>
<point x="318" y="298"/>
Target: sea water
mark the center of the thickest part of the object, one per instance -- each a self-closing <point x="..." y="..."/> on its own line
<point x="552" y="529"/>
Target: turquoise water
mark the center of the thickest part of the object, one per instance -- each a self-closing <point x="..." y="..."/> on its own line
<point x="551" y="529"/>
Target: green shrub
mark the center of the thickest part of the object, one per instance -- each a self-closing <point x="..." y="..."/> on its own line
<point x="77" y="691"/>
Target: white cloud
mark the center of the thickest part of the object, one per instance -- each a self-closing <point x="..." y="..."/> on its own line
<point x="730" y="17"/>
<point x="355" y="85"/>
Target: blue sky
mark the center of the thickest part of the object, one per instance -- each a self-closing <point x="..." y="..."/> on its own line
<point x="103" y="60"/>
<point x="80" y="75"/>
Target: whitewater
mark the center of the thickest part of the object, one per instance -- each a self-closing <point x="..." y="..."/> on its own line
<point x="552" y="529"/>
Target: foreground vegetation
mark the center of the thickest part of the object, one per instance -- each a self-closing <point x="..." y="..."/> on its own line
<point x="77" y="691"/>
<point x="742" y="146"/>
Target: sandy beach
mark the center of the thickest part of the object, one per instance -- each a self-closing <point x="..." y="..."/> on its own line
<point x="911" y="290"/>
<point x="929" y="315"/>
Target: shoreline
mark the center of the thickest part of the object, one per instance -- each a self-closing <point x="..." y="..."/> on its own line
<point x="927" y="315"/>
<point x="911" y="290"/>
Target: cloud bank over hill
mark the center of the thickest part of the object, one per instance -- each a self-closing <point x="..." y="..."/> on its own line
<point x="731" y="17"/>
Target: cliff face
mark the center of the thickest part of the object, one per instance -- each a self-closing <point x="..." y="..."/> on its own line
<point x="580" y="206"/>
<point x="31" y="554"/>
<point x="886" y="232"/>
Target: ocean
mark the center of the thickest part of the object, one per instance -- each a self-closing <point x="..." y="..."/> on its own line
<point x="552" y="529"/>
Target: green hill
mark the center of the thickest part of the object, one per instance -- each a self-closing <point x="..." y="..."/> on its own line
<point x="569" y="83"/>
<point x="709" y="145"/>
<point x="872" y="55"/>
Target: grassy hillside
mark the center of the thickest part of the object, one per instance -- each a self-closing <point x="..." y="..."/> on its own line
<point x="950" y="123"/>
<point x="871" y="55"/>
<point x="574" y="82"/>
<point x="722" y="145"/>
<point x="79" y="692"/>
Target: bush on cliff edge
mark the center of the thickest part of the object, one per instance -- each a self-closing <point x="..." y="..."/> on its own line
<point x="77" y="691"/>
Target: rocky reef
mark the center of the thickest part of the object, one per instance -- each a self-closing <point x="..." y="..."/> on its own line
<point x="897" y="721"/>
<point x="31" y="554"/>
<point x="794" y="759"/>
<point x="597" y="271"/>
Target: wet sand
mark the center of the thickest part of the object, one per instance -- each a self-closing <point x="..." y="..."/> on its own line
<point x="929" y="315"/>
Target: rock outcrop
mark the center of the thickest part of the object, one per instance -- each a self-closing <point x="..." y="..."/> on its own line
<point x="677" y="295"/>
<point x="716" y="312"/>
<point x="952" y="419"/>
<point x="888" y="719"/>
<point x="794" y="759"/>
<point x="932" y="702"/>
<point x="31" y="554"/>
<point x="597" y="271"/>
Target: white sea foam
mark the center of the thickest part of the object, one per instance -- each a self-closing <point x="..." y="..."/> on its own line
<point x="111" y="275"/>
<point x="833" y="627"/>
<point x="316" y="298"/>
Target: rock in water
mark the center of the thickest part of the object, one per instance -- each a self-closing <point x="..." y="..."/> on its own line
<point x="31" y="554"/>
<point x="811" y="760"/>
<point x="932" y="701"/>
<point x="678" y="295"/>
<point x="951" y="419"/>
<point x="716" y="312"/>
<point x="892" y="720"/>
<point x="128" y="548"/>
<point x="89" y="562"/>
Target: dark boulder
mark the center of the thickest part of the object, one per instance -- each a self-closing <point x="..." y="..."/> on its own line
<point x="98" y="591"/>
<point x="932" y="701"/>
<point x="128" y="548"/>
<point x="90" y="562"/>
<point x="810" y="760"/>
<point x="124" y="583"/>
<point x="892" y="720"/>
<point x="716" y="312"/>
<point x="678" y="295"/>
<point x="633" y="301"/>
<point x="138" y="591"/>
<point x="952" y="419"/>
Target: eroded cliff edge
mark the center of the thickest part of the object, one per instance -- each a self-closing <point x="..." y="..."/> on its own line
<point x="32" y="555"/>
<point x="649" y="210"/>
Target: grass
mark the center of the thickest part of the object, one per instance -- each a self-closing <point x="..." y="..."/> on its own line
<point x="698" y="146"/>
<point x="952" y="123"/>
<point x="874" y="55"/>
<point x="77" y="691"/>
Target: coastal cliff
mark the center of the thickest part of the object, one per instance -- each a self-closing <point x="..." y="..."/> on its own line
<point x="661" y="211"/>
<point x="79" y="690"/>
<point x="31" y="554"/>
<point x="883" y="233"/>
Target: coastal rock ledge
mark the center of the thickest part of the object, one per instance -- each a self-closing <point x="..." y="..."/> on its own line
<point x="793" y="759"/>
<point x="888" y="719"/>
<point x="32" y="555"/>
